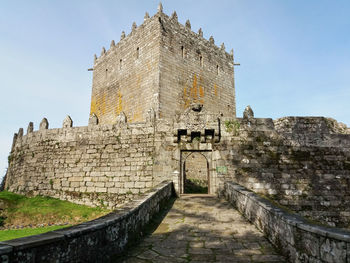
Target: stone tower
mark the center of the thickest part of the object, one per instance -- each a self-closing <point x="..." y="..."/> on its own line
<point x="162" y="67"/>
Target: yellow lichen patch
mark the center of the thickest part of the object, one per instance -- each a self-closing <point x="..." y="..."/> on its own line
<point x="201" y="94"/>
<point x="185" y="98"/>
<point x="93" y="106"/>
<point x="137" y="116"/>
<point x="194" y="89"/>
<point x="119" y="103"/>
<point x="215" y="90"/>
<point x="201" y="91"/>
<point x="99" y="106"/>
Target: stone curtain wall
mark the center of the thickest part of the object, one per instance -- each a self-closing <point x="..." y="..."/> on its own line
<point x="111" y="164"/>
<point x="94" y="165"/>
<point x="297" y="239"/>
<point x="100" y="240"/>
<point x="309" y="175"/>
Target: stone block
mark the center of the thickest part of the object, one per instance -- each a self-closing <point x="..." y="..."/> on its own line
<point x="90" y="189"/>
<point x="99" y="184"/>
<point x="333" y="251"/>
<point x="101" y="189"/>
<point x="140" y="184"/>
<point x="74" y="184"/>
<point x="129" y="185"/>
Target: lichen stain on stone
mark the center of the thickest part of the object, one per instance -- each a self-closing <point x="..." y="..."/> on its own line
<point x="100" y="104"/>
<point x="186" y="98"/>
<point x="194" y="89"/>
<point x="201" y="94"/>
<point x="119" y="103"/>
<point x="93" y="106"/>
<point x="215" y="90"/>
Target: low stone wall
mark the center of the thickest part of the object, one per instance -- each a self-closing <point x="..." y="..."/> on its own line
<point x="296" y="238"/>
<point x="99" y="240"/>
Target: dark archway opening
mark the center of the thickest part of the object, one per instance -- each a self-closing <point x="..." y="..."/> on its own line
<point x="196" y="174"/>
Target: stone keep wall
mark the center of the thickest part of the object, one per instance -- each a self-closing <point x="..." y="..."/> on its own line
<point x="194" y="70"/>
<point x="126" y="76"/>
<point x="94" y="165"/>
<point x="161" y="66"/>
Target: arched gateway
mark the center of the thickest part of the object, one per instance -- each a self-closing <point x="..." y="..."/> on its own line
<point x="196" y="174"/>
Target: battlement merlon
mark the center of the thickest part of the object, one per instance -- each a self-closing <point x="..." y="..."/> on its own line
<point x="165" y="66"/>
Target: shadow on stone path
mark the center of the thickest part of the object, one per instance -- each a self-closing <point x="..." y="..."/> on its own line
<point x="202" y="228"/>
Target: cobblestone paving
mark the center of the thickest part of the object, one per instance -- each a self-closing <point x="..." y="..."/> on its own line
<point x="203" y="229"/>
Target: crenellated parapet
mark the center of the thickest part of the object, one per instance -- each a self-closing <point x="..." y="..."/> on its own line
<point x="174" y="19"/>
<point x="79" y="163"/>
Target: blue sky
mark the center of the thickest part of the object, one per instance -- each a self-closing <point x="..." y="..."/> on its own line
<point x="294" y="55"/>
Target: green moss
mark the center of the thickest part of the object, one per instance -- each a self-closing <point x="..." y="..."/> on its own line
<point x="274" y="155"/>
<point x="10" y="158"/>
<point x="196" y="139"/>
<point x="275" y="203"/>
<point x="232" y="126"/>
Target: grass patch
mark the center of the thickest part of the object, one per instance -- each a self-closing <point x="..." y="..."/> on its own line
<point x="17" y="233"/>
<point x="19" y="210"/>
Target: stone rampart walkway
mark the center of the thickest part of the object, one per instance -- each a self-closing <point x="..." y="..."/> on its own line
<point x="203" y="229"/>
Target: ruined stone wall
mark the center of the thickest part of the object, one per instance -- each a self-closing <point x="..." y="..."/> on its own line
<point x="194" y="71"/>
<point x="126" y="77"/>
<point x="94" y="165"/>
<point x="296" y="238"/>
<point x="311" y="177"/>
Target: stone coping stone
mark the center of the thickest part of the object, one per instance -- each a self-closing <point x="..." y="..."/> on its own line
<point x="32" y="241"/>
<point x="5" y="249"/>
<point x="83" y="228"/>
<point x="293" y="219"/>
<point x="111" y="218"/>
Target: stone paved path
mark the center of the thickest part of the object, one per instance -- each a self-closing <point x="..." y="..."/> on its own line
<point x="203" y="229"/>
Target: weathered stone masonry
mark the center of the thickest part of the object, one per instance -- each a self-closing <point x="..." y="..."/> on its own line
<point x="298" y="239"/>
<point x="162" y="94"/>
<point x="100" y="240"/>
<point x="161" y="67"/>
<point x="93" y="165"/>
<point x="111" y="164"/>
